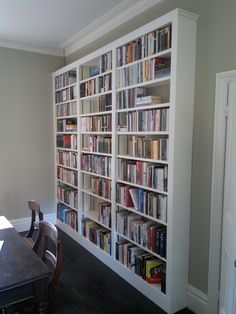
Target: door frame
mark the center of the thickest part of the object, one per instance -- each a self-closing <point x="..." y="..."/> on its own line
<point x="217" y="186"/>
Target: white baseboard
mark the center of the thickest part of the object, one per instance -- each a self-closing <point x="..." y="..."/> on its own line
<point x="22" y="224"/>
<point x="196" y="300"/>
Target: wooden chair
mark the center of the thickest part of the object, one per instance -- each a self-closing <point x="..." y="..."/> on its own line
<point x="35" y="211"/>
<point x="48" y="247"/>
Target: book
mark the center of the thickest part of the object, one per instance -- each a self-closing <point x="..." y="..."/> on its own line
<point x="154" y="270"/>
<point x="135" y="198"/>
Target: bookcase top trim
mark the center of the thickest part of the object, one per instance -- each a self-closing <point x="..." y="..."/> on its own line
<point x="159" y="22"/>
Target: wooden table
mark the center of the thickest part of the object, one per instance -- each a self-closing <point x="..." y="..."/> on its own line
<point x="23" y="275"/>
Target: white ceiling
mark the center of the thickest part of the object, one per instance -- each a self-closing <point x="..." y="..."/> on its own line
<point x="55" y="24"/>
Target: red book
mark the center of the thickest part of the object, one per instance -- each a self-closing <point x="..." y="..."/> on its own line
<point x="128" y="199"/>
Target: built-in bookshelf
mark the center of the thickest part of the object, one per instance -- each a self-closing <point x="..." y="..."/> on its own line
<point x="96" y="149"/>
<point x="123" y="134"/>
<point x="66" y="140"/>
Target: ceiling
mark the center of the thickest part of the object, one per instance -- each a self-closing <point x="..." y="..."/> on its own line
<point x="54" y="25"/>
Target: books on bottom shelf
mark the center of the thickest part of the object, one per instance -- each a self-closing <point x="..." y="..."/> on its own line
<point x="97" y="234"/>
<point x="67" y="215"/>
<point x="142" y="263"/>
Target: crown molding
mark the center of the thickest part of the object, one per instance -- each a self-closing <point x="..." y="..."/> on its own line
<point x="14" y="44"/>
<point x="120" y="14"/>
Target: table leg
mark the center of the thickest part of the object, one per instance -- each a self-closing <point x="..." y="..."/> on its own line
<point x="41" y="295"/>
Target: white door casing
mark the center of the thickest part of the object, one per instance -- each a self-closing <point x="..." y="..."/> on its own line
<point x="224" y="163"/>
<point x="228" y="252"/>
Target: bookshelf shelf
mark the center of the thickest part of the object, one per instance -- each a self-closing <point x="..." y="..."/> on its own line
<point x="139" y="245"/>
<point x="66" y="183"/>
<point x="95" y="245"/>
<point x="66" y="149"/>
<point x="67" y="205"/>
<point x="93" y="216"/>
<point x="151" y="83"/>
<point x="95" y="153"/>
<point x="95" y="174"/>
<point x="153" y="106"/>
<point x="156" y="286"/>
<point x="96" y="133"/>
<point x="121" y="112"/>
<point x="65" y="102"/>
<point x="95" y="76"/>
<point x="142" y="133"/>
<point x="132" y="209"/>
<point x="66" y="117"/>
<point x="67" y="132"/>
<point x="142" y="187"/>
<point x="96" y="114"/>
<point x="165" y="162"/>
<point x="165" y="53"/>
<point x="96" y="95"/>
<point x="65" y="87"/>
<point x="67" y="167"/>
<point x="87" y="191"/>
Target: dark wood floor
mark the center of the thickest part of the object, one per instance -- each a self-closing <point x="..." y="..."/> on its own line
<point x="87" y="286"/>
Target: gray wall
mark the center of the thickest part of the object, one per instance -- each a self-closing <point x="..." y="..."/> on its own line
<point x="216" y="51"/>
<point x="26" y="131"/>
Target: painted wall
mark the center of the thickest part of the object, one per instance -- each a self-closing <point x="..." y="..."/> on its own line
<point x="26" y="131"/>
<point x="216" y="51"/>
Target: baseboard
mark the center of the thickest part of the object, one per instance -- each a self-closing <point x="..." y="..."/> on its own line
<point x="22" y="224"/>
<point x="196" y="300"/>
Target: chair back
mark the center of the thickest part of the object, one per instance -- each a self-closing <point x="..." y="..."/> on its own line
<point x="48" y="247"/>
<point x="34" y="206"/>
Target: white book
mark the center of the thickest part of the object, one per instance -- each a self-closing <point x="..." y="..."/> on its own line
<point x="134" y="196"/>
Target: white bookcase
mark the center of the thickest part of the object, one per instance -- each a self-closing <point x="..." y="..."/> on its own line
<point x="130" y="131"/>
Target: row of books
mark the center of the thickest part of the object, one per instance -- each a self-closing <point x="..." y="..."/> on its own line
<point x="67" y="125"/>
<point x="104" y="213"/>
<point x="96" y="123"/>
<point x="145" y="46"/>
<point x="97" y="143"/>
<point x="97" y="85"/>
<point x="145" y="233"/>
<point x="127" y="98"/>
<point x="143" y="71"/>
<point x="67" y="195"/>
<point x="67" y="141"/>
<point x="146" y="147"/>
<point x="98" y="104"/>
<point x="144" y="264"/>
<point x="65" y="79"/>
<point x="68" y="159"/>
<point x="67" y="109"/>
<point x="146" y="202"/>
<point x="68" y="176"/>
<point x="67" y="94"/>
<point x="67" y="215"/>
<point x="153" y="120"/>
<point x="96" y="164"/>
<point x="101" y="187"/>
<point x="105" y="62"/>
<point x="143" y="173"/>
<point x="97" y="234"/>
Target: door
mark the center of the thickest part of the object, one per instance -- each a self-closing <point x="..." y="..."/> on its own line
<point x="227" y="303"/>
